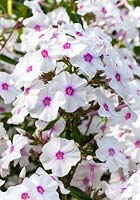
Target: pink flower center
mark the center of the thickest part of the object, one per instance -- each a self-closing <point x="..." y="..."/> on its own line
<point x="55" y="35"/>
<point x="122" y="190"/>
<point x="138" y="92"/>
<point x="103" y="10"/>
<point x="118" y="77"/>
<point x="88" y="57"/>
<point x="37" y="27"/>
<point x="29" y="69"/>
<point x="60" y="155"/>
<point x="5" y="86"/>
<point x="67" y="45"/>
<point x="81" y="7"/>
<point x="12" y="148"/>
<point x="47" y="101"/>
<point x="79" y="33"/>
<point x="2" y="109"/>
<point x="24" y="196"/>
<point x="130" y="66"/>
<point x="122" y="178"/>
<point x="40" y="189"/>
<point x="26" y="91"/>
<point x="111" y="151"/>
<point x="69" y="91"/>
<point x="106" y="107"/>
<point x="137" y="144"/>
<point x="128" y="116"/>
<point x="44" y="53"/>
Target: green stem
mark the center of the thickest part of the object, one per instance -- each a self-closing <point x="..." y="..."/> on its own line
<point x="64" y="197"/>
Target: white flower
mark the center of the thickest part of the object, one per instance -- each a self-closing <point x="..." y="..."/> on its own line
<point x="110" y="151"/>
<point x="13" y="151"/>
<point x="107" y="108"/>
<point x="73" y="88"/>
<point x="46" y="107"/>
<point x="43" y="186"/>
<point x="88" y="61"/>
<point x="59" y="155"/>
<point x="27" y="70"/>
<point x="7" y="89"/>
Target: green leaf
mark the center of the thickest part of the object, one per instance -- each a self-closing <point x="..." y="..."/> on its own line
<point x="7" y="59"/>
<point x="77" y="193"/>
<point x="137" y="50"/>
<point x="134" y="3"/>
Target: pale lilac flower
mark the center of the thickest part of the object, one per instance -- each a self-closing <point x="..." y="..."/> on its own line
<point x="88" y="174"/>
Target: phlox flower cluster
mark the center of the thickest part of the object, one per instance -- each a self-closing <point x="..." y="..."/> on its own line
<point x="69" y="108"/>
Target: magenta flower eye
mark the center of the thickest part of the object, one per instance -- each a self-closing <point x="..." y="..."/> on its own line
<point x="137" y="144"/>
<point x="5" y="86"/>
<point x="40" y="189"/>
<point x="29" y="69"/>
<point x="67" y="45"/>
<point x="88" y="57"/>
<point x="79" y="33"/>
<point x="47" y="101"/>
<point x="24" y="196"/>
<point x="103" y="10"/>
<point x="111" y="151"/>
<point x="59" y="155"/>
<point x="69" y="91"/>
<point x="128" y="116"/>
<point x="26" y="91"/>
<point x="37" y="27"/>
<point x="44" y="53"/>
<point x="118" y="77"/>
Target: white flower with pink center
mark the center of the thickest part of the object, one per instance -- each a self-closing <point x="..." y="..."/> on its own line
<point x="13" y="151"/>
<point x="107" y="108"/>
<point x="18" y="115"/>
<point x="59" y="155"/>
<point x="75" y="30"/>
<point x="45" y="58"/>
<point x="29" y="96"/>
<point x="59" y="183"/>
<point x="132" y="147"/>
<point x="110" y="151"/>
<point x="128" y="116"/>
<point x="43" y="186"/>
<point x="38" y="22"/>
<point x="68" y="46"/>
<point x="20" y="192"/>
<point x="7" y="89"/>
<point x="88" y="61"/>
<point x="27" y="70"/>
<point x="46" y="107"/>
<point x="73" y="88"/>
